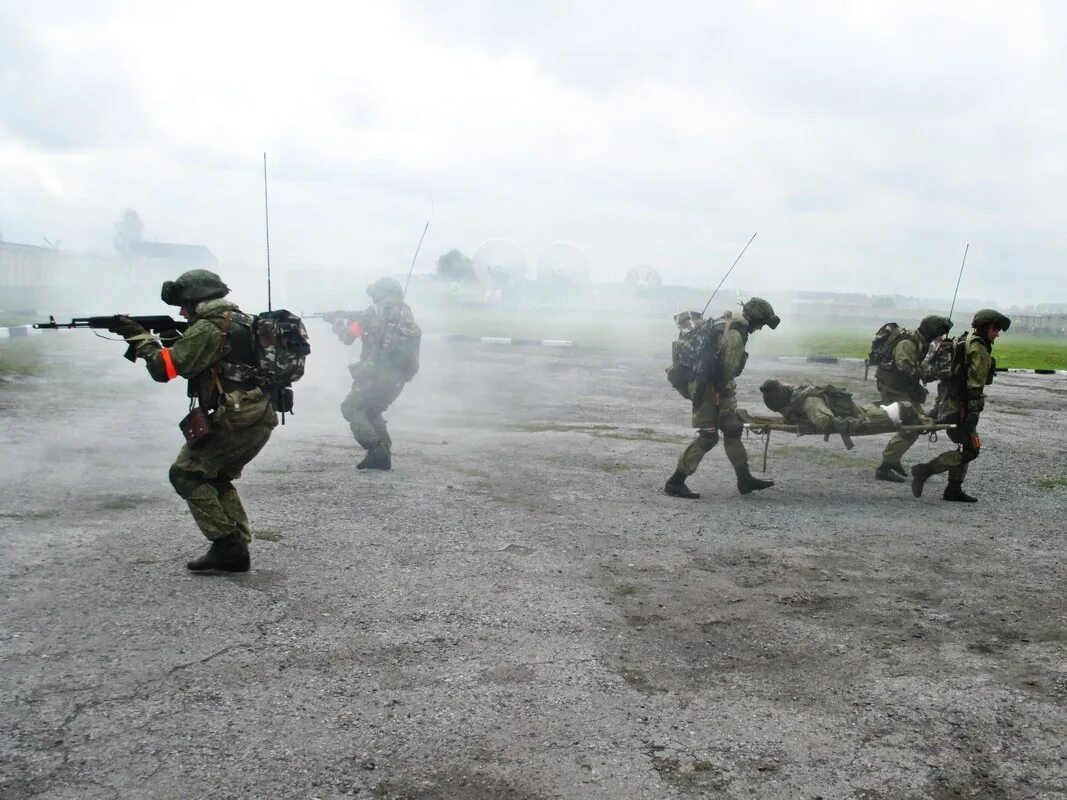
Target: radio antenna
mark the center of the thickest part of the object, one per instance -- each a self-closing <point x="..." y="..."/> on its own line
<point x="266" y="223"/>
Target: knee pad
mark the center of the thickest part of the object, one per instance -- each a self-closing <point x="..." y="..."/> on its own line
<point x="708" y="437"/>
<point x="185" y="482"/>
<point x="222" y="485"/>
<point x="731" y="426"/>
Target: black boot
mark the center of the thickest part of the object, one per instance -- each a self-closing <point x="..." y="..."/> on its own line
<point x="894" y="473"/>
<point x="675" y="487"/>
<point x="919" y="475"/>
<point x="377" y="458"/>
<point x="229" y="554"/>
<point x="954" y="491"/>
<point x="746" y="483"/>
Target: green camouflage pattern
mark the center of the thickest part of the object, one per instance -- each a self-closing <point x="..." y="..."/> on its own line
<point x="242" y="417"/>
<point x="203" y="475"/>
<point x="390" y="338"/>
<point x="715" y="407"/>
<point x="388" y="360"/>
<point x="961" y="399"/>
<point x="373" y="391"/>
<point x="832" y="410"/>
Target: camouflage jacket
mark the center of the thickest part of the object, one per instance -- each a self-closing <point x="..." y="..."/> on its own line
<point x="967" y="392"/>
<point x="215" y="354"/>
<point x="908" y="370"/>
<point x="389" y="336"/>
<point x="822" y="400"/>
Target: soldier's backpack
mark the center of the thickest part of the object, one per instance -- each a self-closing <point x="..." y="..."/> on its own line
<point x="281" y="347"/>
<point x="695" y="352"/>
<point x="400" y="344"/>
<point x="885" y="339"/>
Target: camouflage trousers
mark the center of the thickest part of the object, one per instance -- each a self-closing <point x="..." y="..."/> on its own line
<point x="955" y="462"/>
<point x="372" y="393"/>
<point x="714" y="412"/>
<point x="203" y="475"/>
<point x="901" y="442"/>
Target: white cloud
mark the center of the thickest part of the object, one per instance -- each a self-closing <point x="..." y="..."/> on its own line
<point x="866" y="142"/>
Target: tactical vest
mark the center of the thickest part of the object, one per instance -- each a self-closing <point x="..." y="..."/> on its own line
<point x="392" y="340"/>
<point x="236" y="367"/>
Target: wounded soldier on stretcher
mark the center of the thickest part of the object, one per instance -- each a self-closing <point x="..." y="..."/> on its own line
<point x="832" y="410"/>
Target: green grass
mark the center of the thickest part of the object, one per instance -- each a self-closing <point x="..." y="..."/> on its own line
<point x="1051" y="483"/>
<point x="1018" y="352"/>
<point x="654" y="333"/>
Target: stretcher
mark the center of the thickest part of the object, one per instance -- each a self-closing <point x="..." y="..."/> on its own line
<point x="762" y="426"/>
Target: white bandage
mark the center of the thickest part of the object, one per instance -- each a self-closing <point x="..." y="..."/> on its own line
<point x="893" y="412"/>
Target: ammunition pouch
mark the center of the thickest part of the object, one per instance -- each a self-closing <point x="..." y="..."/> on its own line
<point x="196" y="426"/>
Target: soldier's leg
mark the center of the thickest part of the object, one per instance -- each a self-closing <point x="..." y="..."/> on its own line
<point x="705" y="420"/>
<point x="969" y="451"/>
<point x="704" y="443"/>
<point x="891" y="468"/>
<point x="381" y="396"/>
<point x="204" y="478"/>
<point x="231" y="504"/>
<point x="731" y="426"/>
<point x="202" y="498"/>
<point x="954" y="462"/>
<point x="354" y="410"/>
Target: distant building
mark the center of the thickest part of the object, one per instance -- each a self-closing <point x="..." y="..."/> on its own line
<point x="171" y="257"/>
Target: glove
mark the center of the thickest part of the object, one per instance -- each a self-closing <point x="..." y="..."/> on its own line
<point x="970" y="422"/>
<point x="125" y="327"/>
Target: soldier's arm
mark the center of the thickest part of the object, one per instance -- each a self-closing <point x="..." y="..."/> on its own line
<point x="906" y="359"/>
<point x="195" y="352"/>
<point x="732" y="355"/>
<point x="818" y="414"/>
<point x="348" y="330"/>
<point x="978" y="364"/>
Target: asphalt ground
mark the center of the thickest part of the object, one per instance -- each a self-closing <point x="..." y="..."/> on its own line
<point x="517" y="610"/>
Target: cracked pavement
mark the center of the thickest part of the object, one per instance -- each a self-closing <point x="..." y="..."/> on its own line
<point x="517" y="611"/>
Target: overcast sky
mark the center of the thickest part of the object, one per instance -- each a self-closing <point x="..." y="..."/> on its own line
<point x="866" y="142"/>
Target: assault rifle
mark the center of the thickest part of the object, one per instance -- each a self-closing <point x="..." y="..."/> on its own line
<point x="157" y="324"/>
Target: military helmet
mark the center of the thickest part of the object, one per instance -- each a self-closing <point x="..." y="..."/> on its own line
<point x="384" y="290"/>
<point x="192" y="287"/>
<point x="775" y="394"/>
<point x="759" y="312"/>
<point x="933" y="326"/>
<point x="989" y="316"/>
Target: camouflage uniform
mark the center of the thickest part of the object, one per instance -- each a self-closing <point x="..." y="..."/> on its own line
<point x="714" y="402"/>
<point x="832" y="410"/>
<point x="384" y="366"/>
<point x="901" y="381"/>
<point x="960" y="401"/>
<point x="215" y="354"/>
